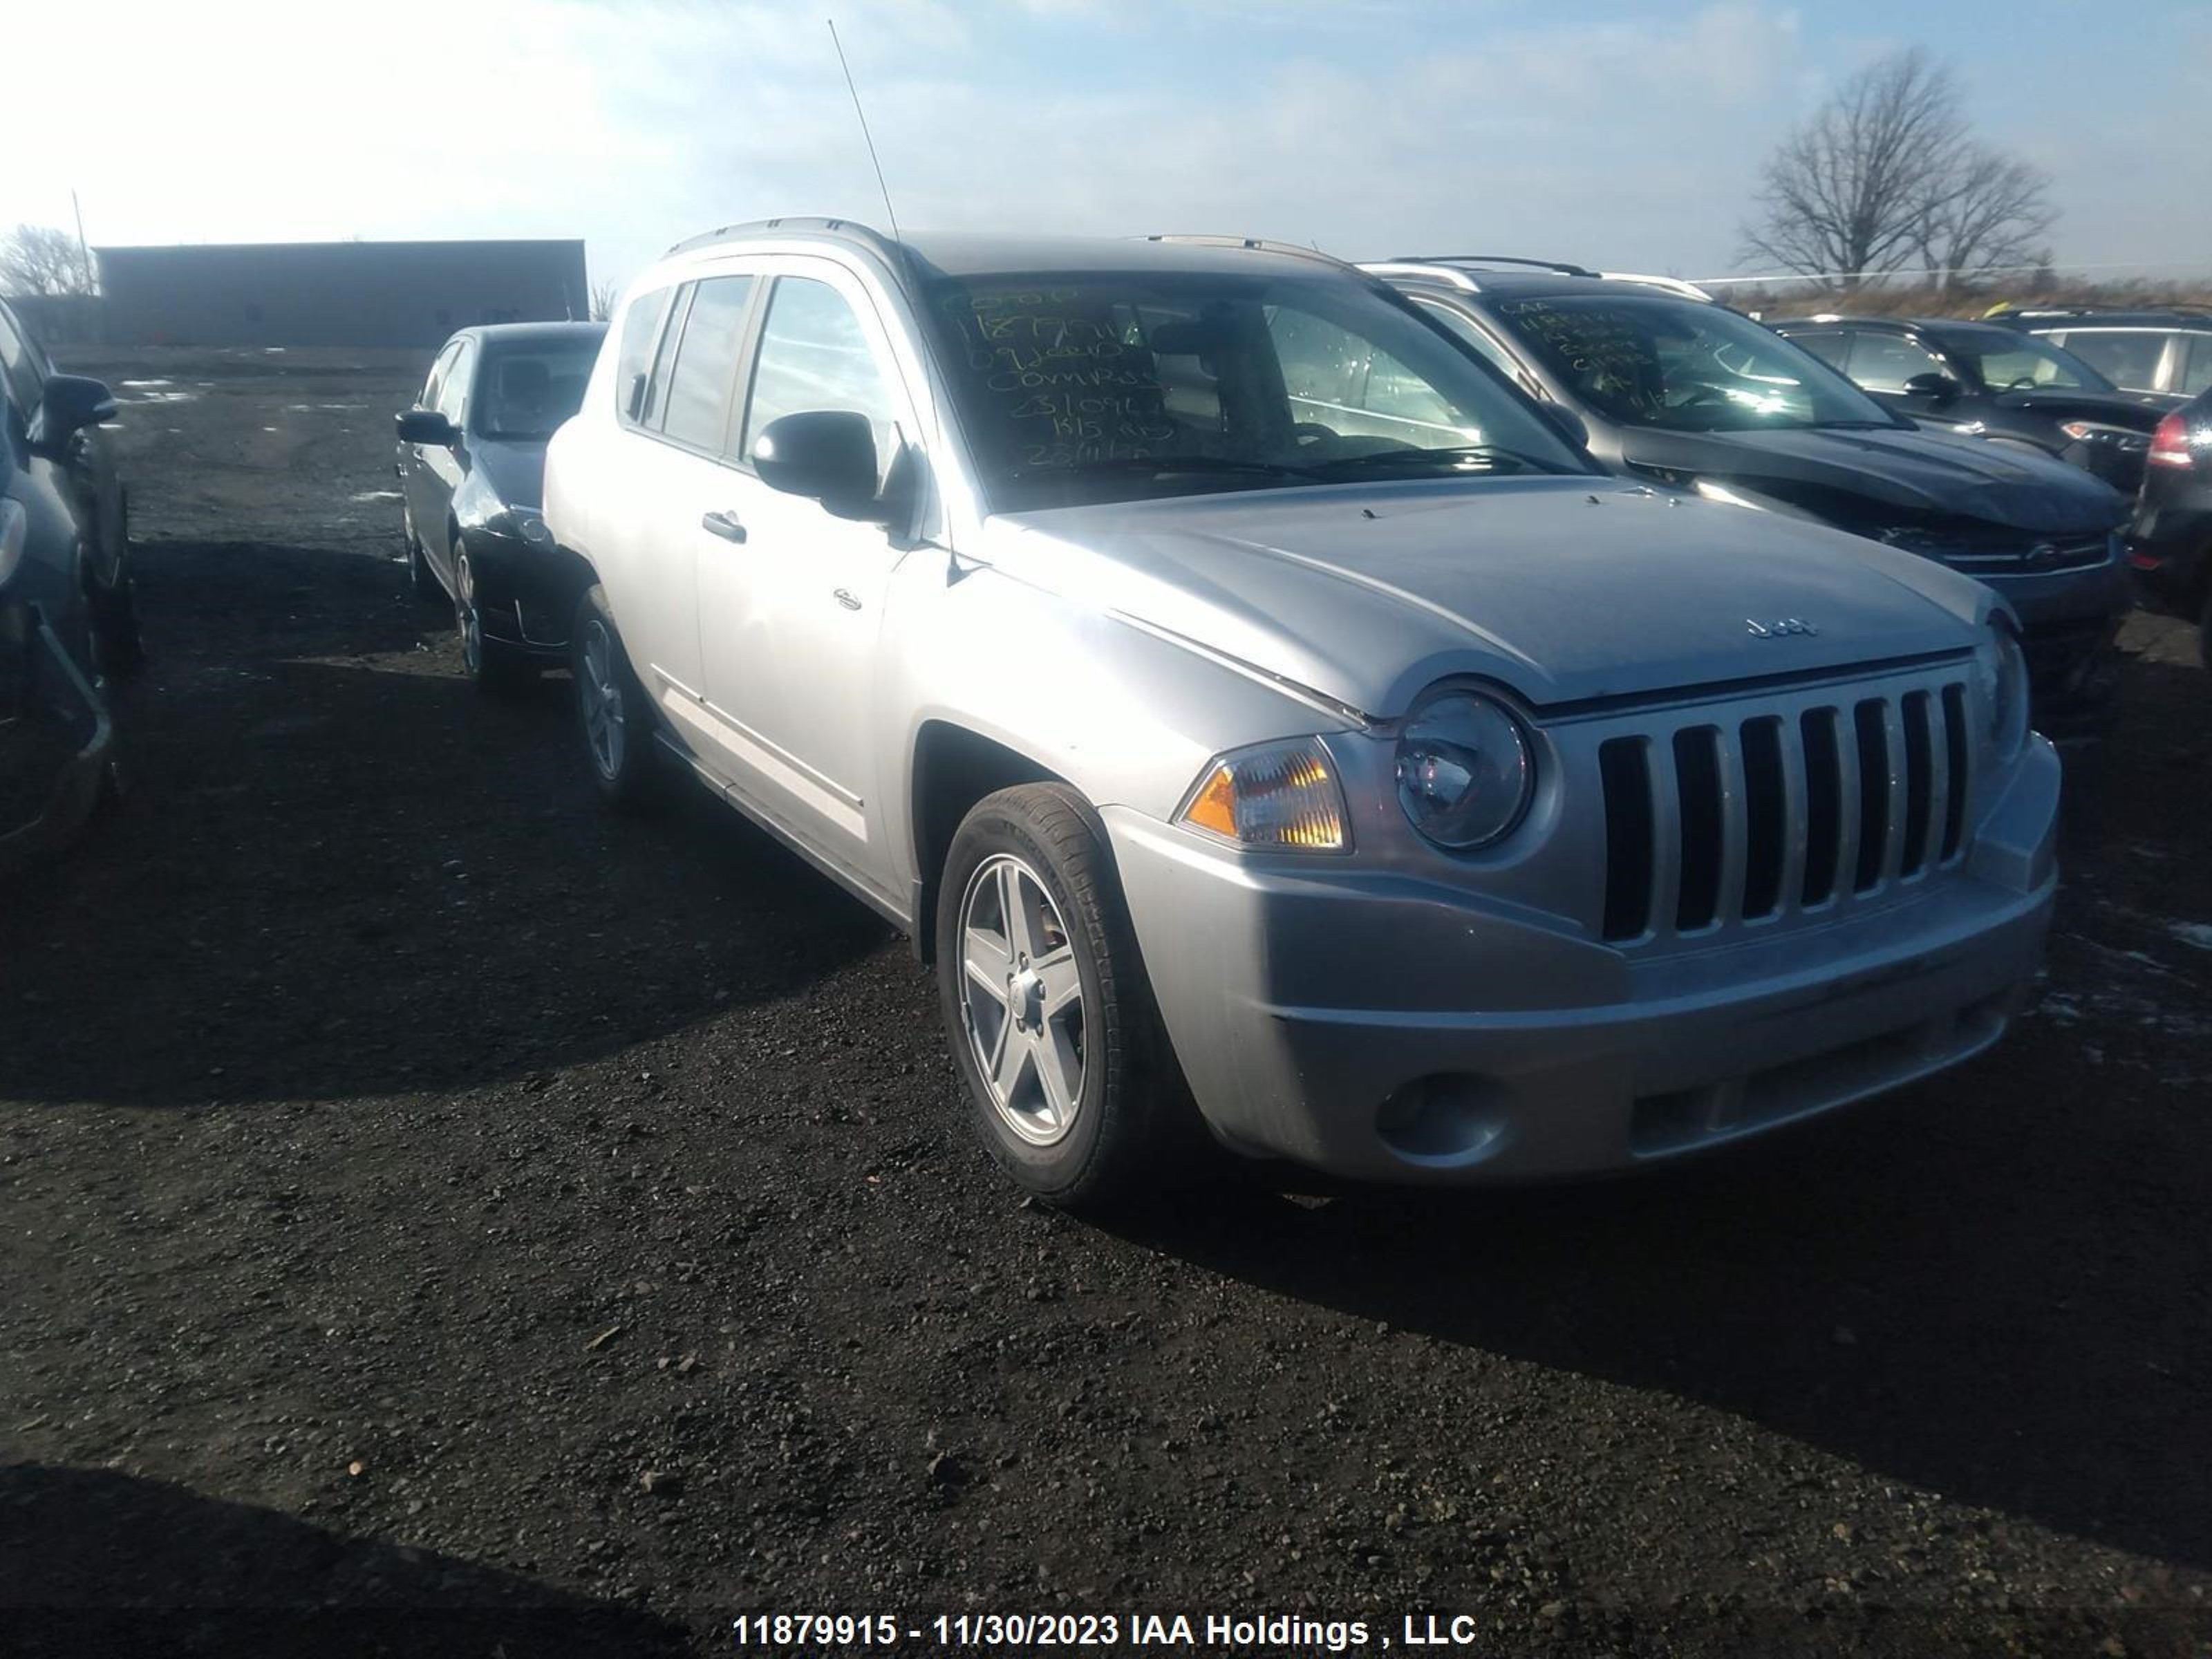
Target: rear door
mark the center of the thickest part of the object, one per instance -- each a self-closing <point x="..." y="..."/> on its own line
<point x="789" y="617"/>
<point x="682" y="411"/>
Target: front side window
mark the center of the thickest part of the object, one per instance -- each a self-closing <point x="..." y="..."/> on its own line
<point x="1882" y="361"/>
<point x="2128" y="357"/>
<point x="454" y="395"/>
<point x="20" y="368"/>
<point x="705" y="369"/>
<point x="814" y="354"/>
<point x="2021" y="363"/>
<point x="641" y="331"/>
<point x="526" y="387"/>
<point x="1117" y="386"/>
<point x="435" y="382"/>
<point x="1652" y="359"/>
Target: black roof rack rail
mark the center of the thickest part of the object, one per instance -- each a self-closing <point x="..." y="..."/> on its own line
<point x="843" y="230"/>
<point x="1205" y="238"/>
<point x="1557" y="267"/>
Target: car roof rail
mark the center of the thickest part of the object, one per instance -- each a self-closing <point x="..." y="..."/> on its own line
<point x="1449" y="275"/>
<point x="1672" y="284"/>
<point x="1556" y="266"/>
<point x="841" y="230"/>
<point x="1261" y="243"/>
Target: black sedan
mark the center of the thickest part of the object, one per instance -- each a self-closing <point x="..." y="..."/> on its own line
<point x="68" y="620"/>
<point x="2170" y="544"/>
<point x="1991" y="382"/>
<point x="1667" y="385"/>
<point x="471" y="469"/>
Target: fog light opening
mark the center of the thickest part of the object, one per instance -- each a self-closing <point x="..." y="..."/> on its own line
<point x="1450" y="1118"/>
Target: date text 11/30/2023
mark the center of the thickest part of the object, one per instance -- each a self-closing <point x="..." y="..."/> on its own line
<point x="1267" y="1632"/>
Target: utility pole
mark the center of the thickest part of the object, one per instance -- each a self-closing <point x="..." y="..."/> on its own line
<point x="84" y="247"/>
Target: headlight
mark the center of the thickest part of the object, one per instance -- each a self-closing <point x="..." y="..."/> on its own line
<point x="523" y="522"/>
<point x="1465" y="772"/>
<point x="1281" y="795"/>
<point x="2002" y="669"/>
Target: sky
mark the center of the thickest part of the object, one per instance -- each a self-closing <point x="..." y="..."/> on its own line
<point x="1621" y="135"/>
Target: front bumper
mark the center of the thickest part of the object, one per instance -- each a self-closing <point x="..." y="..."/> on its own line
<point x="1387" y="1028"/>
<point x="2170" y="548"/>
<point x="55" y="739"/>
<point x="2069" y="620"/>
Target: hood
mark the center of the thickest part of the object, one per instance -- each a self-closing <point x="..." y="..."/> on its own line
<point x="1918" y="471"/>
<point x="514" y="471"/>
<point x="1563" y="589"/>
<point x="2057" y="404"/>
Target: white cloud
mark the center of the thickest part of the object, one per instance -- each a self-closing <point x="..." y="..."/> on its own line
<point x="1370" y="128"/>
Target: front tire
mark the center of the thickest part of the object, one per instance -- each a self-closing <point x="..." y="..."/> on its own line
<point x="494" y="666"/>
<point x="112" y="611"/>
<point x="612" y="716"/>
<point x="1070" y="1080"/>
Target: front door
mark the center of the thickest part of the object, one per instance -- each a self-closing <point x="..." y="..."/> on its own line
<point x="789" y="616"/>
<point x="439" y="470"/>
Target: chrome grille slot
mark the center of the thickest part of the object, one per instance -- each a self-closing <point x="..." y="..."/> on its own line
<point x="1718" y="822"/>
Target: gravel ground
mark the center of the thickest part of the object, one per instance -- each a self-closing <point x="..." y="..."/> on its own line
<point x="442" y="1216"/>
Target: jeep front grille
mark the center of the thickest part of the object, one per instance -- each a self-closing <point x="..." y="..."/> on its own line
<point x="1742" y="818"/>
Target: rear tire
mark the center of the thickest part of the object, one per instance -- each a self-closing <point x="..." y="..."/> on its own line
<point x="612" y="716"/>
<point x="1071" y="1082"/>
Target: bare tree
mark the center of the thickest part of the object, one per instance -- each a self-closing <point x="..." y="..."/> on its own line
<point x="604" y="296"/>
<point x="1886" y="174"/>
<point x="39" y="259"/>
<point x="1992" y="212"/>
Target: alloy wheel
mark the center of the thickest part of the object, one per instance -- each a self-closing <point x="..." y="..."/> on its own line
<point x="599" y="695"/>
<point x="1021" y="1000"/>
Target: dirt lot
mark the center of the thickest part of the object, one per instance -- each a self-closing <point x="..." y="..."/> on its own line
<point x="423" y="1191"/>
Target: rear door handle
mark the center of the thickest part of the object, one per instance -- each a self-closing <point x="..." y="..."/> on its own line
<point x="724" y="525"/>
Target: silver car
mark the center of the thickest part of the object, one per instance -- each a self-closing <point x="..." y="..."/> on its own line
<point x="1272" y="725"/>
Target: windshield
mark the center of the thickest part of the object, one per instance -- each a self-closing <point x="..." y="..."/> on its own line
<point x="1651" y="360"/>
<point x="2021" y="363"/>
<point x="1096" y="387"/>
<point x="526" y="389"/>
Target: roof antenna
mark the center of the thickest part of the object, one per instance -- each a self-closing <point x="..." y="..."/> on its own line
<point x="865" y="137"/>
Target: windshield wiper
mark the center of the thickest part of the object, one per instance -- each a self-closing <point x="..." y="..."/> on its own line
<point x="1453" y="459"/>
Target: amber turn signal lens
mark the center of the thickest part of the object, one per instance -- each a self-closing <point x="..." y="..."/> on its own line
<point x="1278" y="795"/>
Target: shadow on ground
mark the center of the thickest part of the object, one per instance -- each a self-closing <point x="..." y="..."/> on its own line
<point x="99" y="1563"/>
<point x="341" y="872"/>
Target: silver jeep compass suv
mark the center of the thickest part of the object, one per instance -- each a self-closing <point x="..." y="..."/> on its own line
<point x="1267" y="720"/>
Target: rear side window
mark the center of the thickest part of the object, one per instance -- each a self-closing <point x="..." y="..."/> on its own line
<point x="2197" y="369"/>
<point x="2127" y="357"/>
<point x="705" y="368"/>
<point x="641" y="329"/>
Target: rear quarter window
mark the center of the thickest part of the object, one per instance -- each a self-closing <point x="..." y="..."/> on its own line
<point x="641" y="331"/>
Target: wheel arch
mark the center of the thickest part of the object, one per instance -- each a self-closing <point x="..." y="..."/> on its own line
<point x="953" y="767"/>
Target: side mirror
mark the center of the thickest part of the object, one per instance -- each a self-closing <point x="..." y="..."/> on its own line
<point x="67" y="404"/>
<point x="1933" y="388"/>
<point x="826" y="454"/>
<point x="427" y="426"/>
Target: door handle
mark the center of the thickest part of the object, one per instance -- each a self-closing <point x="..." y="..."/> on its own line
<point x="724" y="525"/>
